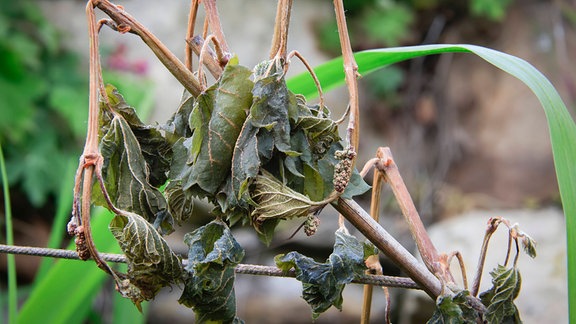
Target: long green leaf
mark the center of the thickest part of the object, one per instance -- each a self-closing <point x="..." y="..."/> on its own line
<point x="561" y="125"/>
<point x="63" y="208"/>
<point x="10" y="260"/>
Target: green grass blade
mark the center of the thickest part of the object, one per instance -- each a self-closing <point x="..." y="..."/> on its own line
<point x="63" y="209"/>
<point x="561" y="125"/>
<point x="10" y="260"/>
<point x="66" y="292"/>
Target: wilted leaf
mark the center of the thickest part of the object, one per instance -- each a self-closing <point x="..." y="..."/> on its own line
<point x="156" y="150"/>
<point x="245" y="161"/>
<point x="213" y="254"/>
<point x="529" y="246"/>
<point x="323" y="283"/>
<point x="213" y="142"/>
<point x="151" y="263"/>
<point x="126" y="176"/>
<point x="274" y="200"/>
<point x="180" y="204"/>
<point x="356" y="186"/>
<point x="528" y="243"/>
<point x="270" y="106"/>
<point x="454" y="309"/>
<point x="320" y="130"/>
<point x="499" y="299"/>
<point x="178" y="125"/>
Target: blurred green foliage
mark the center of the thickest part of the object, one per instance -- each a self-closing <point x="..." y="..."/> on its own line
<point x="491" y="9"/>
<point x="42" y="100"/>
<point x="390" y="23"/>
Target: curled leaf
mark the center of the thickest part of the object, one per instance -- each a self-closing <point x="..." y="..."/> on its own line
<point x="180" y="204"/>
<point x="209" y="290"/>
<point x="151" y="263"/>
<point x="268" y="196"/>
<point x="126" y="176"/>
<point x="499" y="299"/>
<point x="270" y="106"/>
<point x="529" y="245"/>
<point x="320" y="130"/>
<point x="454" y="308"/>
<point x="154" y="147"/>
<point x="323" y="283"/>
<point x="217" y="120"/>
<point x="274" y="200"/>
<point x="178" y="125"/>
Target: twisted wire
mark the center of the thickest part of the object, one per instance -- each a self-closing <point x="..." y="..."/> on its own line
<point x="251" y="269"/>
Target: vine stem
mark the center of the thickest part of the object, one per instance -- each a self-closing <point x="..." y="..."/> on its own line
<point x="190" y="33"/>
<point x="90" y="159"/>
<point x="386" y="243"/>
<point x="351" y="74"/>
<point x="427" y="250"/>
<point x="214" y="23"/>
<point x="250" y="269"/>
<point x="373" y="262"/>
<point x="209" y="58"/>
<point x="281" y="25"/>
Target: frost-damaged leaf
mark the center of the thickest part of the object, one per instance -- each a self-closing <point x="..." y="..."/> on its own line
<point x="245" y="161"/>
<point x="178" y="125"/>
<point x="499" y="299"/>
<point x="356" y="186"/>
<point x="212" y="256"/>
<point x="320" y="129"/>
<point x="126" y="176"/>
<point x="151" y="263"/>
<point x="155" y="148"/>
<point x="274" y="200"/>
<point x="454" y="309"/>
<point x="180" y="204"/>
<point x="323" y="283"/>
<point x="529" y="246"/>
<point x="528" y="243"/>
<point x="270" y="106"/>
<point x="230" y="99"/>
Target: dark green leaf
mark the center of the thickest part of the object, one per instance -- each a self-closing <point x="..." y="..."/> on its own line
<point x="356" y="186"/>
<point x="270" y="106"/>
<point x="212" y="256"/>
<point x="499" y="299"/>
<point x="313" y="183"/>
<point x="245" y="161"/>
<point x="126" y="176"/>
<point x="151" y="263"/>
<point x="227" y="103"/>
<point x="323" y="283"/>
<point x="180" y="204"/>
<point x="321" y="131"/>
<point x="178" y="125"/>
<point x="454" y="309"/>
<point x="156" y="150"/>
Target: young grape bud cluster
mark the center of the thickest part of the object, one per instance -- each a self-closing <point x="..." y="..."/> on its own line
<point x="311" y="225"/>
<point x="343" y="169"/>
<point x="81" y="246"/>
